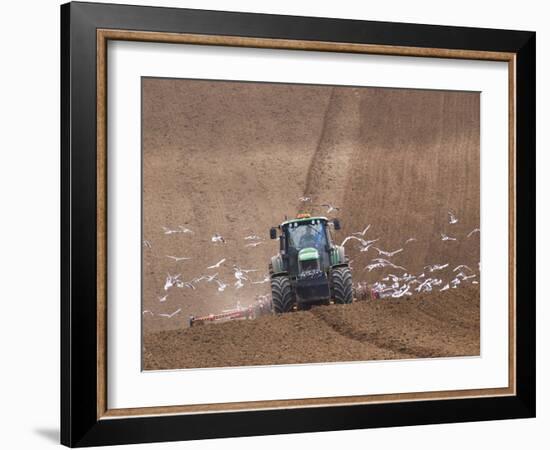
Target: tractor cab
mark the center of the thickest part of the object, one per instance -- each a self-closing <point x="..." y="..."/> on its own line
<point x="306" y="244"/>
<point x="307" y="261"/>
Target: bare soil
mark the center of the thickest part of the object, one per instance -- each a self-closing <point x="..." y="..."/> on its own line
<point x="428" y="325"/>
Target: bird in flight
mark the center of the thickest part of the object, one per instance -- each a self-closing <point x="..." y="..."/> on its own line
<point x="254" y="244"/>
<point x="362" y="233"/>
<point x="365" y="244"/>
<point x="171" y="281"/>
<point x="217" y="265"/>
<point x="444" y="237"/>
<point x="240" y="275"/>
<point x="253" y="237"/>
<point x="266" y="279"/>
<point x="305" y="199"/>
<point x="410" y="240"/>
<point x="208" y="278"/>
<point x="428" y="284"/>
<point x="404" y="290"/>
<point x="178" y="258"/>
<point x="169" y="316"/>
<point x="464" y="277"/>
<point x="330" y="208"/>
<point x="379" y="263"/>
<point x="435" y="267"/>
<point x="147" y="244"/>
<point x="187" y="284"/>
<point x="163" y="299"/>
<point x="452" y="218"/>
<point x="462" y="266"/>
<point x="180" y="229"/>
<point x="475" y="230"/>
<point x="218" y="238"/>
<point x="388" y="254"/>
<point x="221" y="285"/>
<point x="175" y="281"/>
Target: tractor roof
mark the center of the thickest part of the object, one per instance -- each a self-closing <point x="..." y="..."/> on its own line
<point x="303" y="219"/>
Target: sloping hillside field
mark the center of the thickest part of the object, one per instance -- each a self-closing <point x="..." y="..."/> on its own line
<point x="225" y="161"/>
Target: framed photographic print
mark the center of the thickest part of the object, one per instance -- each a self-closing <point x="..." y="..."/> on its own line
<point x="276" y="224"/>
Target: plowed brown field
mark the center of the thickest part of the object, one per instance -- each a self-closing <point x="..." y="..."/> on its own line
<point x="233" y="158"/>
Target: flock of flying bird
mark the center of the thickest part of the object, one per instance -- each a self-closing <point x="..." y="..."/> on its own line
<point x="392" y="285"/>
<point x="175" y="281"/>
<point x="406" y="284"/>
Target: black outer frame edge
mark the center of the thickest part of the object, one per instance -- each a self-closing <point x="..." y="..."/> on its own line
<point x="302" y="420"/>
<point x="79" y="426"/>
<point x="210" y="22"/>
<point x="65" y="187"/>
<point x="525" y="223"/>
<point x="79" y="238"/>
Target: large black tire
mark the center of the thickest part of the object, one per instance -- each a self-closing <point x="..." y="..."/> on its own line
<point x="342" y="285"/>
<point x="282" y="298"/>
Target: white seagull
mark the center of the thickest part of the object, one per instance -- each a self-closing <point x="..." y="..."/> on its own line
<point x="171" y="281"/>
<point x="362" y="233"/>
<point x="163" y="299"/>
<point x="388" y="254"/>
<point x="221" y="285"/>
<point x="169" y="231"/>
<point x="452" y="217"/>
<point x="464" y="277"/>
<point x="364" y="243"/>
<point x="444" y="237"/>
<point x="208" y="278"/>
<point x="188" y="284"/>
<point x="330" y="208"/>
<point x="169" y="316"/>
<point x="254" y="244"/>
<point x="180" y="229"/>
<point x="475" y="230"/>
<point x="240" y="275"/>
<point x="379" y="263"/>
<point x="217" y="265"/>
<point x="435" y="267"/>
<point x="218" y="238"/>
<point x="253" y="237"/>
<point x="178" y="258"/>
<point x="266" y="279"/>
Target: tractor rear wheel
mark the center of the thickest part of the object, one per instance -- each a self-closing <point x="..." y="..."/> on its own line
<point x="342" y="285"/>
<point x="282" y="297"/>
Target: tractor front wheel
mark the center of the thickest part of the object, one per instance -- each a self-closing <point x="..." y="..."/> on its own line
<point x="342" y="285"/>
<point x="282" y="297"/>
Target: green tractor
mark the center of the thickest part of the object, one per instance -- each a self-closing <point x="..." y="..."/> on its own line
<point x="310" y="269"/>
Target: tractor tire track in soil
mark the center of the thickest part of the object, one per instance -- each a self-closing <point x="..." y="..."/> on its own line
<point x="330" y="164"/>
